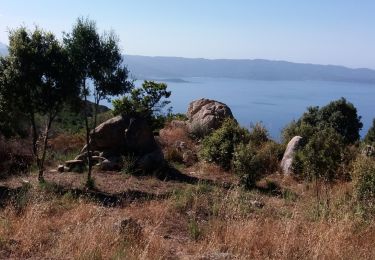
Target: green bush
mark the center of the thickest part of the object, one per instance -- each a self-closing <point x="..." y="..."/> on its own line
<point x="251" y="162"/>
<point x="364" y="182"/>
<point x="322" y="156"/>
<point x="370" y="136"/>
<point x="219" y="146"/>
<point x="258" y="134"/>
<point x="339" y="115"/>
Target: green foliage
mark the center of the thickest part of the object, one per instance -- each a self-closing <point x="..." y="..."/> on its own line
<point x="96" y="58"/>
<point x="258" y="134"/>
<point x="339" y="115"/>
<point x="146" y="101"/>
<point x="364" y="182"/>
<point x="130" y="164"/>
<point x="219" y="146"/>
<point x="90" y="183"/>
<point x="322" y="155"/>
<point x="370" y="136"/>
<point x="251" y="162"/>
<point x="194" y="230"/>
<point x="36" y="78"/>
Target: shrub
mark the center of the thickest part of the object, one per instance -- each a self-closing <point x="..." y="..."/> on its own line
<point x="219" y="146"/>
<point x="130" y="164"/>
<point x="370" y="136"/>
<point x="364" y="182"/>
<point x="339" y="115"/>
<point x="258" y="134"/>
<point x="198" y="131"/>
<point x="14" y="157"/>
<point x="322" y="155"/>
<point x="251" y="162"/>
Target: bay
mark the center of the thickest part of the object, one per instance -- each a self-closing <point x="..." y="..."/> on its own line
<point x="274" y="103"/>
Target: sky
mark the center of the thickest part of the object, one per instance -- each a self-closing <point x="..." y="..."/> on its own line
<point x="340" y="32"/>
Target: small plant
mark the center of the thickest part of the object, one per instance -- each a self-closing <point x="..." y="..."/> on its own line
<point x="198" y="131"/>
<point x="258" y="134"/>
<point x="129" y="164"/>
<point x="173" y="155"/>
<point x="364" y="183"/>
<point x="22" y="197"/>
<point x="90" y="183"/>
<point x="219" y="146"/>
<point x="194" y="230"/>
<point x="251" y="162"/>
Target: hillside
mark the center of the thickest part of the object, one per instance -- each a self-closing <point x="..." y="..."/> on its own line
<point x="174" y="67"/>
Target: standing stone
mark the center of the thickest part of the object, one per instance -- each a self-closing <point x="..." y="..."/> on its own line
<point x="291" y="149"/>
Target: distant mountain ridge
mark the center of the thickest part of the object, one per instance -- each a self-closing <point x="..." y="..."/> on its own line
<point x="176" y="68"/>
<point x="144" y="67"/>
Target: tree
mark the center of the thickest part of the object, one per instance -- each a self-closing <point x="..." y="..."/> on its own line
<point x="342" y="116"/>
<point x="339" y="114"/>
<point x="147" y="101"/>
<point x="96" y="59"/>
<point x="12" y="120"/>
<point x="37" y="79"/>
<point x="370" y="136"/>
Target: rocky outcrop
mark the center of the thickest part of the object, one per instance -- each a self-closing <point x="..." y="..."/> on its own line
<point x="207" y="115"/>
<point x="291" y="149"/>
<point x="369" y="151"/>
<point x="120" y="136"/>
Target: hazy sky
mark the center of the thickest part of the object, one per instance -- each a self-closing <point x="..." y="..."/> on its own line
<point x="314" y="31"/>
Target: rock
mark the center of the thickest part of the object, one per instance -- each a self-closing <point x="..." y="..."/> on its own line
<point x="151" y="160"/>
<point x="111" y="164"/>
<point x="83" y="155"/>
<point x="287" y="161"/>
<point x="257" y="203"/>
<point x="60" y="168"/>
<point x="123" y="134"/>
<point x="207" y="115"/>
<point x="98" y="159"/>
<point x="75" y="165"/>
<point x="189" y="158"/>
<point x="369" y="151"/>
<point x="178" y="124"/>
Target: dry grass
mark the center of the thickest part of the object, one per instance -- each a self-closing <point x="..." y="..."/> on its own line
<point x="197" y="222"/>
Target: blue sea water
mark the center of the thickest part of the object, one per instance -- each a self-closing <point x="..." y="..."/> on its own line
<point x="274" y="103"/>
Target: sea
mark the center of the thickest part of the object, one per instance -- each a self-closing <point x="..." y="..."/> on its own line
<point x="274" y="103"/>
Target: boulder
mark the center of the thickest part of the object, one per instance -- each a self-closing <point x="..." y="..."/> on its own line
<point x="287" y="161"/>
<point x="123" y="134"/>
<point x="75" y="165"/>
<point x="207" y="114"/>
<point x="111" y="164"/>
<point x="151" y="160"/>
<point x="61" y="168"/>
<point x="369" y="151"/>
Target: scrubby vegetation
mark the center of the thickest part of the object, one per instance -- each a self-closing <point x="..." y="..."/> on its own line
<point x="219" y="195"/>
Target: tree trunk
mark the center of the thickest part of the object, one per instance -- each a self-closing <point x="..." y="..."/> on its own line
<point x="35" y="141"/>
<point x="87" y="137"/>
<point x="44" y="151"/>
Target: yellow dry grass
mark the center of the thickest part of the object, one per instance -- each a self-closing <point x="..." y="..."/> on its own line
<point x="197" y="222"/>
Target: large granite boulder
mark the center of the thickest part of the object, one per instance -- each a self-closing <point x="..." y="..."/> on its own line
<point x="207" y="114"/>
<point x="120" y="136"/>
<point x="291" y="149"/>
<point x="123" y="134"/>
